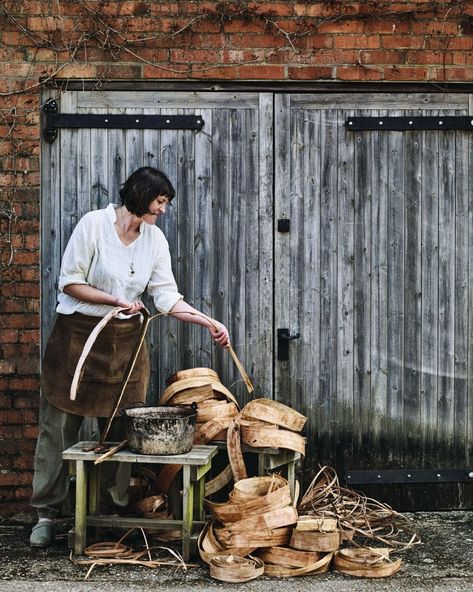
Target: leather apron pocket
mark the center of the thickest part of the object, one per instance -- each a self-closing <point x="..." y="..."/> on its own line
<point x="108" y="358"/>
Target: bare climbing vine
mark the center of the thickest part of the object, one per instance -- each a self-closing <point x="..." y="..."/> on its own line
<point x="94" y="32"/>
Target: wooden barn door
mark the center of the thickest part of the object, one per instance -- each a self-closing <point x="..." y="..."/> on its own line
<point x="375" y="274"/>
<point x="219" y="226"/>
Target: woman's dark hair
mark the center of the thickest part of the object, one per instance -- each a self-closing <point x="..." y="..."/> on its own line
<point x="142" y="187"/>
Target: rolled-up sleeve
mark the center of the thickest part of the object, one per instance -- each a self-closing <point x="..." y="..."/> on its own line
<point x="77" y="256"/>
<point x="162" y="285"/>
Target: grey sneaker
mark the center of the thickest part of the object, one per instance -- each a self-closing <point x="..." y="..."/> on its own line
<point x="42" y="534"/>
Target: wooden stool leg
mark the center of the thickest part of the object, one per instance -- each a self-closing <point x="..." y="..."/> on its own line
<point x="261" y="464"/>
<point x="187" y="510"/>
<point x="291" y="476"/>
<point x="81" y="508"/>
<point x="94" y="490"/>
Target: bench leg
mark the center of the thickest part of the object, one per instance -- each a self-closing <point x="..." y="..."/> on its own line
<point x="81" y="508"/>
<point x="187" y="511"/>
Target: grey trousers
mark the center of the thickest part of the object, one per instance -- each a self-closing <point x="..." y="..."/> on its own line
<point x="59" y="430"/>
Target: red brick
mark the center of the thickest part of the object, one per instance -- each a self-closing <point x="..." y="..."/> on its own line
<point x="19" y="446"/>
<point x="164" y="72"/>
<point x="248" y="41"/>
<point x="341" y="26"/>
<point x="401" y="41"/>
<point x="316" y="9"/>
<point x="23" y="289"/>
<point x="453" y="74"/>
<point x="6" y="464"/>
<point x="29" y="335"/>
<point x="381" y="57"/>
<point x="30" y="274"/>
<point x="25" y="401"/>
<point x="356" y="41"/>
<point x="237" y="25"/>
<point x="272" y="8"/>
<point x="24" y="462"/>
<point x="20" y="321"/>
<point x="24" y="383"/>
<point x="17" y="350"/>
<point x="16" y="38"/>
<point x="117" y="71"/>
<point x="358" y="73"/>
<point x="16" y="417"/>
<point x="428" y="57"/>
<point x="229" y="73"/>
<point x="5" y="401"/>
<point x="7" y="367"/>
<point x="15" y="478"/>
<point x="459" y="59"/>
<point x="12" y="305"/>
<point x="434" y="28"/>
<point x="461" y="43"/>
<point x="32" y="304"/>
<point x="403" y="73"/>
<point x="336" y="56"/>
<point x="309" y="73"/>
<point x="257" y="72"/>
<point x="386" y="26"/>
<point x="196" y="56"/>
<point x="8" y="336"/>
<point x="315" y="41"/>
<point x="14" y="508"/>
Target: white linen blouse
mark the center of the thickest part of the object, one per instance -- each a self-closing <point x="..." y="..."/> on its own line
<point x="96" y="256"/>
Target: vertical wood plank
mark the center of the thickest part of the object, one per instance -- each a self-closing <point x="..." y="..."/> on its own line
<point x="101" y="192"/>
<point x="299" y="229"/>
<point x="429" y="327"/>
<point x="250" y="269"/>
<point x="282" y="241"/>
<point x="379" y="162"/>
<point x="328" y="278"/>
<point x="345" y="290"/>
<point x="220" y="217"/>
<point x="68" y="172"/>
<point x="185" y="239"/>
<point x="362" y="305"/>
<point x="461" y="304"/>
<point x="203" y="247"/>
<point x="165" y="330"/>
<point x="412" y="297"/>
<point x="446" y="311"/>
<point x="469" y="410"/>
<point x="50" y="230"/>
<point x="395" y="306"/>
<point x="261" y="371"/>
<point x="133" y="145"/>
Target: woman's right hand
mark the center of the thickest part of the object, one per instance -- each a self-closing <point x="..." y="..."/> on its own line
<point x="132" y="307"/>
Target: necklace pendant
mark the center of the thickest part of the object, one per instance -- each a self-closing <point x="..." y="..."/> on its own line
<point x="131" y="271"/>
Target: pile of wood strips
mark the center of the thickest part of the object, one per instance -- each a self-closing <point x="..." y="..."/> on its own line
<point x="356" y="515"/>
<point x="262" y="423"/>
<point x="259" y="521"/>
<point x="109" y="553"/>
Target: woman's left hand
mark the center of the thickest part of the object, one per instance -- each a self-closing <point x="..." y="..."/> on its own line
<point x="219" y="333"/>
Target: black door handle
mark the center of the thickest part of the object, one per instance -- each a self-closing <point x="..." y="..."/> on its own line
<point x="284" y="337"/>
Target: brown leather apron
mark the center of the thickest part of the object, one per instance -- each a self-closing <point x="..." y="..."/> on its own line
<point x="104" y="367"/>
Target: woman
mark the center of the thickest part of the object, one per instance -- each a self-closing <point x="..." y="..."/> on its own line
<point x="112" y="257"/>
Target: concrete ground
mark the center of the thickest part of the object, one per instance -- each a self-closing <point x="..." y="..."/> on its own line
<point x="442" y="563"/>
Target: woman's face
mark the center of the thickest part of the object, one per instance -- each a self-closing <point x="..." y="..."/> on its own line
<point x="156" y="209"/>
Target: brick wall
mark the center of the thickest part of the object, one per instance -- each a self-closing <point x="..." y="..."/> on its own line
<point x="417" y="40"/>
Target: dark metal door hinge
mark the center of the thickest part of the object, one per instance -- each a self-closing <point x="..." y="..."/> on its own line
<point x="449" y="122"/>
<point x="55" y="120"/>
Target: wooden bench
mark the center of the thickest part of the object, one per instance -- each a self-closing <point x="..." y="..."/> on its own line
<point x="195" y="463"/>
